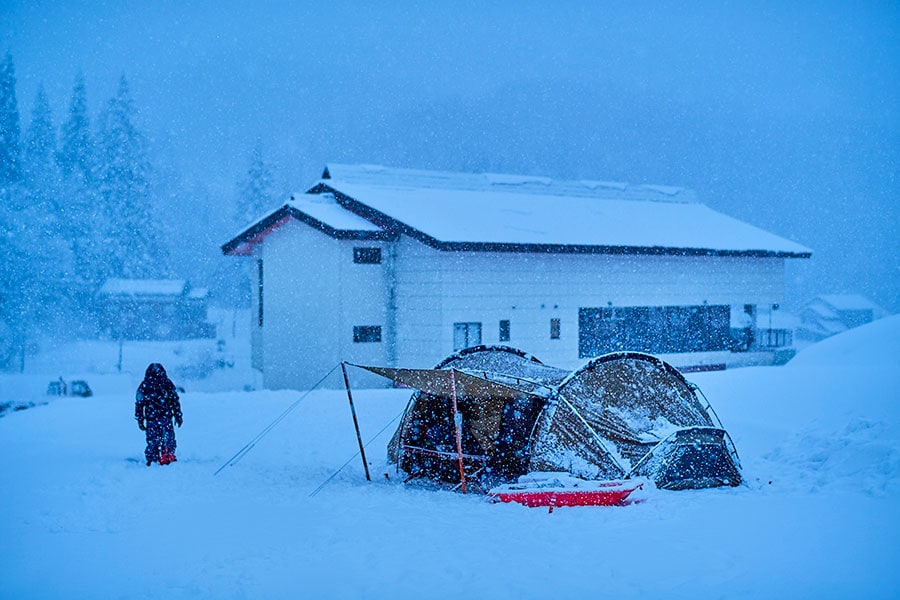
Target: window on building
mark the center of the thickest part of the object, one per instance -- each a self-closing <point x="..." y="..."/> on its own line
<point x="259" y="290"/>
<point x="504" y="330"/>
<point x="466" y="334"/>
<point x="366" y="333"/>
<point x="554" y="329"/>
<point x="367" y="256"/>
<point x="654" y="329"/>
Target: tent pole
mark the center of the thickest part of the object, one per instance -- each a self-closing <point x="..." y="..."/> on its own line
<point x="457" y="423"/>
<point x="596" y="435"/>
<point x="362" y="450"/>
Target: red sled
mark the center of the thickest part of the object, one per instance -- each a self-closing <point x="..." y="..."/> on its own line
<point x="166" y="457"/>
<point x="556" y="490"/>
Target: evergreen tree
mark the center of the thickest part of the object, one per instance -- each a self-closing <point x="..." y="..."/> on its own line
<point x="38" y="164"/>
<point x="49" y="261"/>
<point x="255" y="192"/>
<point x="81" y="210"/>
<point x="13" y="256"/>
<point x="9" y="123"/>
<point x="76" y="152"/>
<point x="132" y="243"/>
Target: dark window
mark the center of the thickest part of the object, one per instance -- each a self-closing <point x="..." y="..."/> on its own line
<point x="554" y="329"/>
<point x="367" y="256"/>
<point x="504" y="330"/>
<point x="466" y="335"/>
<point x="259" y="288"/>
<point x="654" y="329"/>
<point x="366" y="333"/>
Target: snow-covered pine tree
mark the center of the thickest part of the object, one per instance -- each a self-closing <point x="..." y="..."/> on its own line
<point x="38" y="162"/>
<point x="12" y="253"/>
<point x="9" y="123"/>
<point x="132" y="243"/>
<point x="76" y="149"/>
<point x="82" y="215"/>
<point x="255" y="191"/>
<point x="49" y="264"/>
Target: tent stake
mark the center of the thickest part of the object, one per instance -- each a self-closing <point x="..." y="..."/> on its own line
<point x="457" y="423"/>
<point x="362" y="450"/>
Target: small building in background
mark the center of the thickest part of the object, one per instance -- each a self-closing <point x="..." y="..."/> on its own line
<point x="152" y="309"/>
<point x="830" y="314"/>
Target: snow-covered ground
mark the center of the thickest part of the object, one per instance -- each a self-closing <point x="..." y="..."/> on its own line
<point x="82" y="517"/>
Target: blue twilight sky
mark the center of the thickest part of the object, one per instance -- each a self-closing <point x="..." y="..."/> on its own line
<point x="782" y="114"/>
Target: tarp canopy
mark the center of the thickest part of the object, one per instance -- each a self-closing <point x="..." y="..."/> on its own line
<point x="440" y="382"/>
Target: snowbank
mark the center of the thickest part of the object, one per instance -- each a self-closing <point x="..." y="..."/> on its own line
<point x="82" y="517"/>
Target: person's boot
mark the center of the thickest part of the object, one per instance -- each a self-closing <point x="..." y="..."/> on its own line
<point x="166" y="457"/>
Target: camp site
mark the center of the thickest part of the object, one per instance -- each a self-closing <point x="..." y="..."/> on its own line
<point x="814" y="513"/>
<point x="621" y="415"/>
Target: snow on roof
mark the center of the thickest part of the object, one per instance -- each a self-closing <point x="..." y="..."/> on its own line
<point x="493" y="182"/>
<point x="545" y="217"/>
<point x="320" y="211"/>
<point x="143" y="287"/>
<point x="466" y="211"/>
<point x="849" y="302"/>
<point x="325" y="209"/>
<point x="822" y="310"/>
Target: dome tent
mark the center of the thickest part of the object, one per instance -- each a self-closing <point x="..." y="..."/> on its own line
<point x="620" y="415"/>
<point x="651" y="419"/>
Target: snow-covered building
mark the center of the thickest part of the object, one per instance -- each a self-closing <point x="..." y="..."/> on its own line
<point x="829" y="314"/>
<point x="152" y="309"/>
<point x="401" y="267"/>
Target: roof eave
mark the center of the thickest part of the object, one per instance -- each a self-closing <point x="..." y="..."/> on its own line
<point x="629" y="250"/>
<point x="376" y="217"/>
<point x="397" y="227"/>
<point x="244" y="242"/>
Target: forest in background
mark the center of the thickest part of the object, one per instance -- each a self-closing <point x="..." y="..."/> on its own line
<point x="88" y="200"/>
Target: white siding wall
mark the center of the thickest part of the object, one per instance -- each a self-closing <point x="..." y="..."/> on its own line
<point x="437" y="289"/>
<point x="313" y="296"/>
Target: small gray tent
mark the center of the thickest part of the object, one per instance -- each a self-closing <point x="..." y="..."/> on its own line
<point x="620" y="415"/>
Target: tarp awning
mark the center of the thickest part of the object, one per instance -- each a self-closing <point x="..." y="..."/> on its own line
<point x="439" y="382"/>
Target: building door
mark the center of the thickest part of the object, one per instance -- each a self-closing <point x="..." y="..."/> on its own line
<point x="465" y="335"/>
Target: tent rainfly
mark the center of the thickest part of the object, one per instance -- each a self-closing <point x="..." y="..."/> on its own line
<point x="621" y="415"/>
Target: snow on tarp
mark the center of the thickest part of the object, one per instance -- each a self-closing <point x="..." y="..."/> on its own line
<point x="491" y="361"/>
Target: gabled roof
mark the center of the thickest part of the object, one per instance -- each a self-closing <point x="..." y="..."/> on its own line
<point x="320" y="211"/>
<point x="508" y="213"/>
<point x="848" y="302"/>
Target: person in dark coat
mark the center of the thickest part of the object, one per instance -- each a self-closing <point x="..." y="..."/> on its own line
<point x="156" y="404"/>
